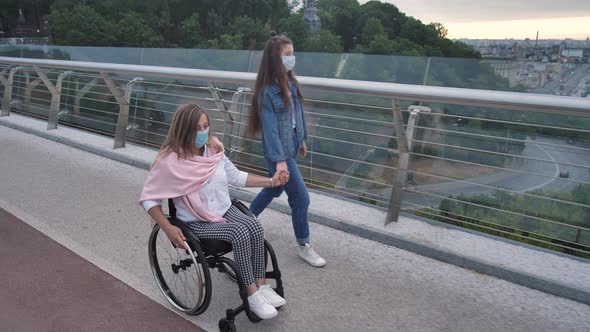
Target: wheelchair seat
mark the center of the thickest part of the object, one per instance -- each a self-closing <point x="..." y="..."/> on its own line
<point x="215" y="247"/>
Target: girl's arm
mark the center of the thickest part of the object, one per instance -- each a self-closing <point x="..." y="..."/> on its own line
<point x="239" y="179"/>
<point x="258" y="181"/>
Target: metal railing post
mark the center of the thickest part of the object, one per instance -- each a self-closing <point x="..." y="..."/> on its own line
<point x="7" y="99"/>
<point x="220" y="102"/>
<point x="123" y="99"/>
<point x="410" y="129"/>
<point x="55" y="90"/>
<point x="234" y="109"/>
<point x="52" y="116"/>
<point x="405" y="140"/>
<point x="8" y="85"/>
<point x="227" y="111"/>
<point x="415" y="112"/>
<point x="56" y="101"/>
<point x="399" y="181"/>
<point x="123" y="119"/>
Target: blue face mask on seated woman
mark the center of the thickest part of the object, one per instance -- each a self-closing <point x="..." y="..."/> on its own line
<point x="202" y="137"/>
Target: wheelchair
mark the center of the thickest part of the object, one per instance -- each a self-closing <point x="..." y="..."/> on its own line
<point x="183" y="276"/>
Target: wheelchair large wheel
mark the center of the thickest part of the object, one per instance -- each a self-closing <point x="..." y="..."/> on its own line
<point x="182" y="275"/>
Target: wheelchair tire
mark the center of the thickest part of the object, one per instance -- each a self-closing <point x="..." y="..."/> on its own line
<point x="180" y="272"/>
<point x="226" y="326"/>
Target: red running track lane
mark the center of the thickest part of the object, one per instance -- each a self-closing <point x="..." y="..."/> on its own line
<point x="47" y="287"/>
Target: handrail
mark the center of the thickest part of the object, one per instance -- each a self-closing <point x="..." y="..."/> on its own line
<point x="481" y="98"/>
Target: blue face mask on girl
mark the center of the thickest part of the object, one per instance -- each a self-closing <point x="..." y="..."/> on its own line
<point x="288" y="62"/>
<point x="202" y="137"/>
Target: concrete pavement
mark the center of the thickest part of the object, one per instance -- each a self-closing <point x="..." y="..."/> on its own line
<point x="88" y="203"/>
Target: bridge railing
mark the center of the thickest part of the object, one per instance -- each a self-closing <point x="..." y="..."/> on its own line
<point x="512" y="164"/>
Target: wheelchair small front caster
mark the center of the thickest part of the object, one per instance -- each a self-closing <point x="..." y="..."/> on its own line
<point x="226" y="326"/>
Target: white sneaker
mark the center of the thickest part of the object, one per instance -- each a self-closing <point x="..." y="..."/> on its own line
<point x="260" y="306"/>
<point x="275" y="299"/>
<point x="310" y="256"/>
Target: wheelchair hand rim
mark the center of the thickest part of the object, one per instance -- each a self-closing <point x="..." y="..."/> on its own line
<point x="168" y="294"/>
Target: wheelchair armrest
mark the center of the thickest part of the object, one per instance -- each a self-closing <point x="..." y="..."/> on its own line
<point x="235" y="202"/>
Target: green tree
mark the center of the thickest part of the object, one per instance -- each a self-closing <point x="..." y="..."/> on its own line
<point x="326" y="43"/>
<point x="388" y="14"/>
<point x="440" y="31"/>
<point x="190" y="23"/>
<point x="372" y="30"/>
<point x="407" y="47"/>
<point x="254" y="34"/>
<point x="191" y="31"/>
<point x="381" y="45"/>
<point x="413" y="29"/>
<point x="215" y="26"/>
<point x="81" y="26"/>
<point x="340" y="17"/>
<point x="296" y="28"/>
<point x="230" y="42"/>
<point x="133" y="31"/>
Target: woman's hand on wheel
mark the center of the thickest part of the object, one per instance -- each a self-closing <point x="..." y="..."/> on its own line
<point x="175" y="236"/>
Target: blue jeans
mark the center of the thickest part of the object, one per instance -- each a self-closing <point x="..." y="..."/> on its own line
<point x="298" y="199"/>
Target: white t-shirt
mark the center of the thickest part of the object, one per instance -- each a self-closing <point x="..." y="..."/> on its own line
<point x="215" y="191"/>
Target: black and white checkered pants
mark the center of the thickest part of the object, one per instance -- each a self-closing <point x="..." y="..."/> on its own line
<point x="246" y="236"/>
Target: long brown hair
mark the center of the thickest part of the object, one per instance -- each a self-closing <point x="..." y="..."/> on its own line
<point x="271" y="70"/>
<point x="183" y="131"/>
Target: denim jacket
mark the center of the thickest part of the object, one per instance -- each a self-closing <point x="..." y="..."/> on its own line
<point x="279" y="141"/>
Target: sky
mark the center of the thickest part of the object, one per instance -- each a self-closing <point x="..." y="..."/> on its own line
<point x="499" y="19"/>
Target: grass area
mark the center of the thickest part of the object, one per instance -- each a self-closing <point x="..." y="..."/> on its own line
<point x="508" y="233"/>
<point x="445" y="168"/>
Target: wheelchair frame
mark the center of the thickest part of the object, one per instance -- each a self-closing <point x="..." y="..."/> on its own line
<point x="211" y="252"/>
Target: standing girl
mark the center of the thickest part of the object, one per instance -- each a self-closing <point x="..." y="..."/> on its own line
<point x="277" y="112"/>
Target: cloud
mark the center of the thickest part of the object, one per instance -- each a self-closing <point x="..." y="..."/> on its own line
<point x="460" y="11"/>
<point x="553" y="28"/>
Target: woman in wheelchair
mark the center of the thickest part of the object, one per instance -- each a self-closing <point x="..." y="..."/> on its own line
<point x="192" y="170"/>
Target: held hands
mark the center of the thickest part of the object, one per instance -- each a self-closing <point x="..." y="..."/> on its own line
<point x="282" y="166"/>
<point x="280" y="178"/>
<point x="175" y="236"/>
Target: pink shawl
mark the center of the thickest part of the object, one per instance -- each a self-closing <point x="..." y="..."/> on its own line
<point x="172" y="177"/>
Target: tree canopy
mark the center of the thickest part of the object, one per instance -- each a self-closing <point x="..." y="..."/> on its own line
<point x="347" y="26"/>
